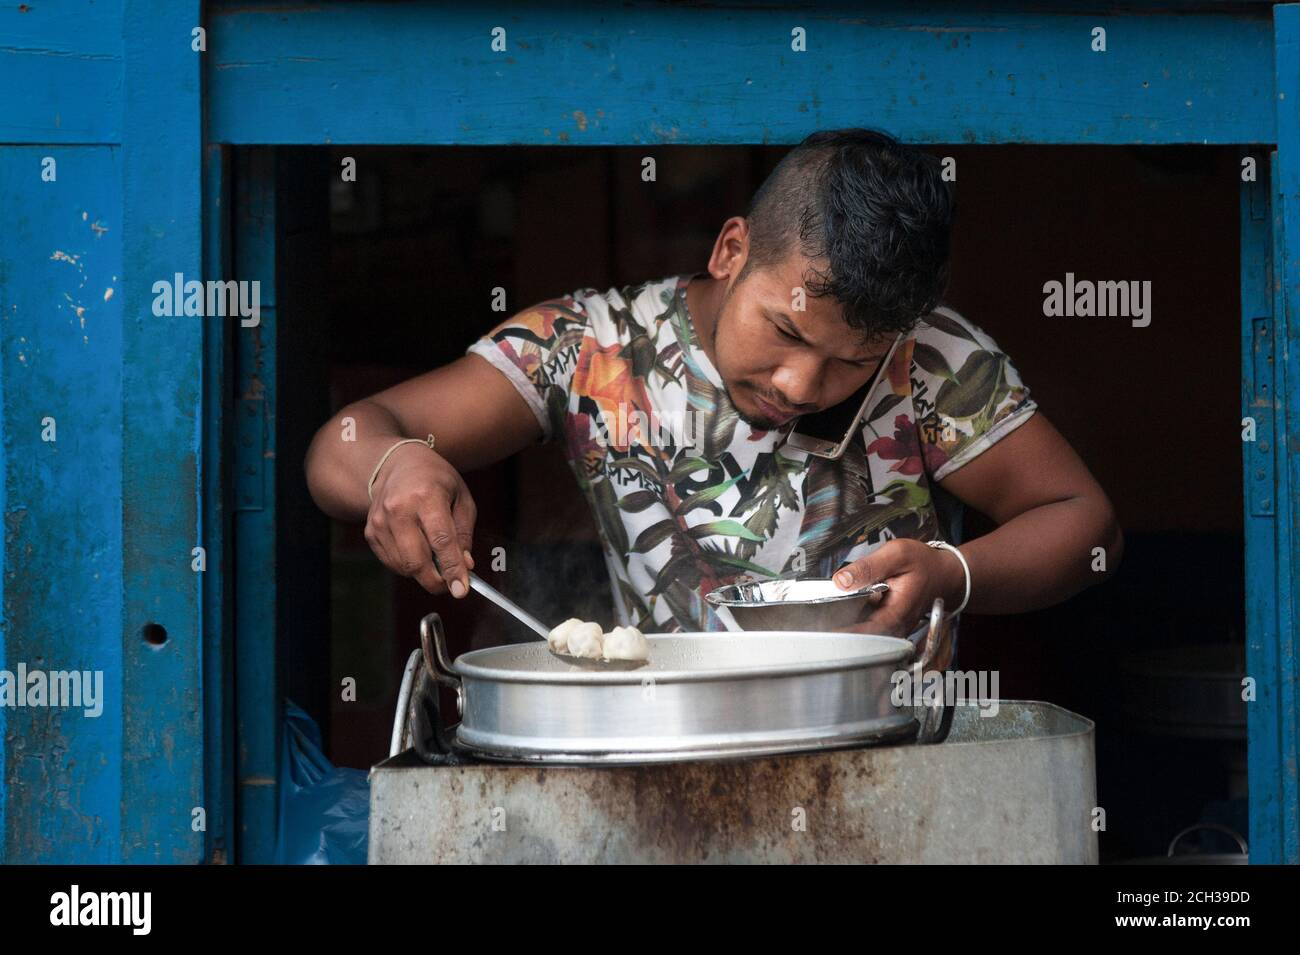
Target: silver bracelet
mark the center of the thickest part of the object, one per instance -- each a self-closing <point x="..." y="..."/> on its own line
<point x="964" y="566"/>
<point x="370" y="488"/>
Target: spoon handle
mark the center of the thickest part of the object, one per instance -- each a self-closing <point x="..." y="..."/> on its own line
<point x="509" y="606"/>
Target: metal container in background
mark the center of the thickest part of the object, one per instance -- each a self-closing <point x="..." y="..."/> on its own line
<point x="1191" y="692"/>
<point x="1173" y="857"/>
<point x="1018" y="786"/>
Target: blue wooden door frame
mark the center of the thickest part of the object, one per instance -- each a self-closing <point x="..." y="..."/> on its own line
<point x="101" y="524"/>
<point x="257" y="716"/>
<point x="612" y="77"/>
<point x="1274" y="727"/>
<point x="144" y="125"/>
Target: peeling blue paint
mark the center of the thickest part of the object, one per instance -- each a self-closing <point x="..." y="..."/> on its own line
<point x="61" y="500"/>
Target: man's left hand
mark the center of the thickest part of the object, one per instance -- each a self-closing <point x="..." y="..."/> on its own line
<point x="916" y="574"/>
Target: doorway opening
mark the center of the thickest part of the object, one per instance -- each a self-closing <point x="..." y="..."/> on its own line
<point x="387" y="276"/>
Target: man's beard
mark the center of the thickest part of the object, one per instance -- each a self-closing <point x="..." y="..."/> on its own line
<point x="755" y="422"/>
<point x="758" y="424"/>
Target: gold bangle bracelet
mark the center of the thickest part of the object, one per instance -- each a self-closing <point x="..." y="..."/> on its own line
<point x="370" y="488"/>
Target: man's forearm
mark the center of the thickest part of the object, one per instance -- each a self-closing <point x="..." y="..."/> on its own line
<point x="341" y="458"/>
<point x="1041" y="557"/>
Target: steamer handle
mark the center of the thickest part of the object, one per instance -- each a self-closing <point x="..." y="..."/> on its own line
<point x="936" y="635"/>
<point x="936" y="720"/>
<point x="433" y="641"/>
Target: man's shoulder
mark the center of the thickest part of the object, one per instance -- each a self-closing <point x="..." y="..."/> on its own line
<point x="945" y="325"/>
<point x="649" y="292"/>
<point x="949" y="332"/>
<point x="624" y="310"/>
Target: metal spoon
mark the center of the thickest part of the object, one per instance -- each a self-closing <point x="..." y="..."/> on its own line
<point x="485" y="589"/>
<point x="509" y="606"/>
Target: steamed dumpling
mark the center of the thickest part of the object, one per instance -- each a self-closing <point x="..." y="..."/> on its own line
<point x="626" y="643"/>
<point x="586" y="640"/>
<point x="558" y="639"/>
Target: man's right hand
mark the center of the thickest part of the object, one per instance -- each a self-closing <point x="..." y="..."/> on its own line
<point x="422" y="510"/>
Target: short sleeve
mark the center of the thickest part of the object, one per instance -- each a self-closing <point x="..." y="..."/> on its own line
<point x="537" y="350"/>
<point x="966" y="393"/>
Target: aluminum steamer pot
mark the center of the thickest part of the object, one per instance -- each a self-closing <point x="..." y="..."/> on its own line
<point x="701" y="696"/>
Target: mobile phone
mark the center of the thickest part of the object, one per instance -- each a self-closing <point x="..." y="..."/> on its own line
<point x="827" y="433"/>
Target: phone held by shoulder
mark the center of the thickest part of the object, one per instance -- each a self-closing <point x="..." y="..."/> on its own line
<point x="827" y="433"/>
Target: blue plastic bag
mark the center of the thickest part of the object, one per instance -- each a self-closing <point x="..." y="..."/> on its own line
<point x="324" y="809"/>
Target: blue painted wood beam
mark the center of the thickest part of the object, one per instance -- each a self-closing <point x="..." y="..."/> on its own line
<point x="61" y="584"/>
<point x="1274" y="727"/>
<point x="1266" y="511"/>
<point x="61" y="72"/>
<point x="592" y="74"/>
<point x="257" y="702"/>
<point x="161" y="417"/>
<point x="218" y="526"/>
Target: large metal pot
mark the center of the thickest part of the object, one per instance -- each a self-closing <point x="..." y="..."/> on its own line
<point x="703" y="695"/>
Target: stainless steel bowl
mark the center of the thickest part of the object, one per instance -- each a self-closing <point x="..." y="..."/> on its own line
<point x="813" y="603"/>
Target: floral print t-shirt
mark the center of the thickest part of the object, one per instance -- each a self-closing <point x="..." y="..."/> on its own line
<point x="687" y="497"/>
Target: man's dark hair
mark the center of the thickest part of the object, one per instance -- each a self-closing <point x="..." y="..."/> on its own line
<point x="871" y="214"/>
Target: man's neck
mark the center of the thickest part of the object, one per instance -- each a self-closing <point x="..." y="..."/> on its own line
<point x="703" y="298"/>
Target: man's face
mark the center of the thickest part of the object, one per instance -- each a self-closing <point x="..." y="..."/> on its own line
<point x="779" y="363"/>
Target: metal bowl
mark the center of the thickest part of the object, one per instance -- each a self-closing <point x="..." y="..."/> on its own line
<point x="813" y="603"/>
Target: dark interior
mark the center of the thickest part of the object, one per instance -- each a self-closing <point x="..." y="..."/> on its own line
<point x="419" y="240"/>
